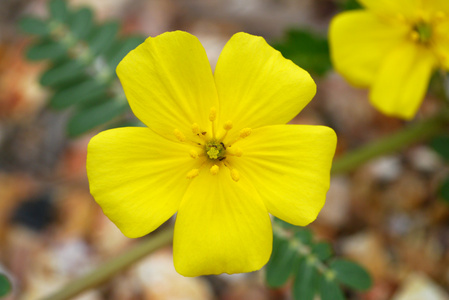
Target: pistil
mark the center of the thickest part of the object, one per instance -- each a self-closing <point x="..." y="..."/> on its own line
<point x="422" y="32"/>
<point x="215" y="150"/>
<point x="212" y="117"/>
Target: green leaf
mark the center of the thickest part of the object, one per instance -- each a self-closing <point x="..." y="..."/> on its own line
<point x="306" y="49"/>
<point x="121" y="48"/>
<point x="305" y="284"/>
<point x="32" y="25"/>
<point x="80" y="93"/>
<point x="124" y="123"/>
<point x="87" y="119"/>
<point x="322" y="250"/>
<point x="351" y="274"/>
<point x="304" y="235"/>
<point x="281" y="262"/>
<point x="45" y="49"/>
<point x="285" y="225"/>
<point x="81" y="23"/>
<point x="62" y="73"/>
<point x="5" y="285"/>
<point x="58" y="10"/>
<point x="444" y="190"/>
<point x="441" y="146"/>
<point x="351" y="5"/>
<point x="103" y="37"/>
<point x="329" y="289"/>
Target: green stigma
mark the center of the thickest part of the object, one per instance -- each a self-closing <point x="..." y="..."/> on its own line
<point x="215" y="150"/>
<point x="424" y="31"/>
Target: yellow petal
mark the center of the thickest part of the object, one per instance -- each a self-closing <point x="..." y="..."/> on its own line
<point x="289" y="165"/>
<point x="221" y="226"/>
<point x="436" y="6"/>
<point x="393" y="8"/>
<point x="169" y="83"/>
<point x="137" y="177"/>
<point x="359" y="41"/>
<point x="402" y="81"/>
<point x="441" y="44"/>
<point x="257" y="86"/>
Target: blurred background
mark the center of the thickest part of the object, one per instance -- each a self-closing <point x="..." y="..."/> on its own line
<point x="386" y="215"/>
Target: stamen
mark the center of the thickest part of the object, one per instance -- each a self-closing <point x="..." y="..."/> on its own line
<point x="423" y="17"/>
<point x="245" y="132"/>
<point x="212" y="117"/>
<point x="178" y="134"/>
<point x="213" y="114"/>
<point x="193" y="173"/>
<point x="195" y="128"/>
<point x="214" y="170"/>
<point x="400" y="18"/>
<point x="414" y="36"/>
<point x="440" y="15"/>
<point x="235" y="151"/>
<point x="235" y="175"/>
<point x="226" y="126"/>
<point x="193" y="154"/>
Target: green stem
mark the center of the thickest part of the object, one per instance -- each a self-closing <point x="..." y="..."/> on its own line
<point x="414" y="133"/>
<point x="114" y="266"/>
<point x="301" y="248"/>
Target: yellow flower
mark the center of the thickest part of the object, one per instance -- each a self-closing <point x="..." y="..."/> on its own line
<point x="216" y="151"/>
<point x="392" y="47"/>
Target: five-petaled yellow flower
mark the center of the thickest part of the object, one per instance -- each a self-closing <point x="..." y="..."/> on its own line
<point x="216" y="151"/>
<point x="392" y="47"/>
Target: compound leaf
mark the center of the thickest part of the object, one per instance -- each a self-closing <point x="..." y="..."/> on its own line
<point x="35" y="26"/>
<point x="86" y="119"/>
<point x="351" y="274"/>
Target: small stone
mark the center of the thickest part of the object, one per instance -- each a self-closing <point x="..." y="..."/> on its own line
<point x="424" y="159"/>
<point x="418" y="286"/>
<point x="386" y="168"/>
<point x="107" y="239"/>
<point x="367" y="249"/>
<point x="161" y="281"/>
<point x="335" y="211"/>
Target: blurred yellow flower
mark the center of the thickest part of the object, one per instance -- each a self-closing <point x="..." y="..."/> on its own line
<point x="392" y="47"/>
<point x="216" y="150"/>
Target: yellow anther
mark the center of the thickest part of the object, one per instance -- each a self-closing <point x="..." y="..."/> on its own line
<point x="235" y="175"/>
<point x="414" y="36"/>
<point x="193" y="153"/>
<point x="213" y="114"/>
<point x="400" y="18"/>
<point x="195" y="128"/>
<point x="179" y="135"/>
<point x="227" y="125"/>
<point x="193" y="173"/>
<point x="236" y="151"/>
<point x="440" y="15"/>
<point x="423" y="16"/>
<point x="214" y="170"/>
<point x="245" y="132"/>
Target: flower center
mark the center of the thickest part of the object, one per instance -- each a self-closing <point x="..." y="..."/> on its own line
<point x="422" y="32"/>
<point x="210" y="150"/>
<point x="215" y="150"/>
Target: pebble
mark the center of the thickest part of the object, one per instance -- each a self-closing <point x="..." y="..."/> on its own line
<point x="161" y="281"/>
<point x="417" y="286"/>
